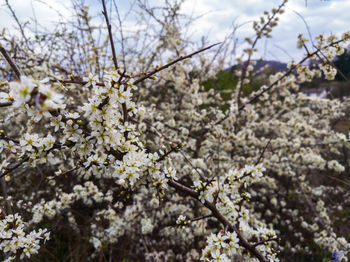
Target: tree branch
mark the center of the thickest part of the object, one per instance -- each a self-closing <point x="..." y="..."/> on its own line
<point x="215" y="212"/>
<point x="171" y="63"/>
<point x="109" y="27"/>
<point x="10" y="61"/>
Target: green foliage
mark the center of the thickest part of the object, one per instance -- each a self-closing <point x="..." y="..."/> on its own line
<point x="224" y="82"/>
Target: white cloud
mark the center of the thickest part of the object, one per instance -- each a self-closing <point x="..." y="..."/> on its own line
<point x="216" y="17"/>
<point x="326" y="17"/>
<point x="46" y="11"/>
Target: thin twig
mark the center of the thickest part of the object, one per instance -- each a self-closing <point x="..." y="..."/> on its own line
<point x="4" y="191"/>
<point x="18" y="23"/>
<point x="306" y="25"/>
<point x="109" y="27"/>
<point x="171" y="63"/>
<point x="14" y="167"/>
<point x="200" y="218"/>
<point x="172" y="149"/>
<point x="339" y="180"/>
<point x="121" y="33"/>
<point x="266" y="240"/>
<point x="284" y="51"/>
<point x="263" y="151"/>
<point x="194" y="167"/>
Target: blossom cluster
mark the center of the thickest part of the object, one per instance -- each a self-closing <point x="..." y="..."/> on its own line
<point x="39" y="93"/>
<point x="14" y="242"/>
<point x="221" y="247"/>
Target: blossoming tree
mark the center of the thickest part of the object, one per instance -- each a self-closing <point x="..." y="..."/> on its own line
<point x="161" y="169"/>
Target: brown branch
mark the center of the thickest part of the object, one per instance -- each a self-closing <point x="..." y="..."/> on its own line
<point x="10" y="61"/>
<point x="6" y="104"/>
<point x="4" y="191"/>
<point x="171" y="63"/>
<point x="70" y="170"/>
<point x="109" y="27"/>
<point x="194" y="167"/>
<point x="14" y="167"/>
<point x="263" y="151"/>
<point x="200" y="218"/>
<point x="173" y="149"/>
<point x="215" y="212"/>
<point x="339" y="180"/>
<point x="183" y="188"/>
<point x="264" y="241"/>
<point x="242" y="241"/>
<point x="254" y="98"/>
<point x="72" y="81"/>
<point x="240" y="178"/>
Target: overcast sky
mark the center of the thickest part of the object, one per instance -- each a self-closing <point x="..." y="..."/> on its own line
<point x="322" y="16"/>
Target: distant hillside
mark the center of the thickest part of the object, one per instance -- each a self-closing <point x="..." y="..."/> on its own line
<point x="275" y="65"/>
<point x="272" y="64"/>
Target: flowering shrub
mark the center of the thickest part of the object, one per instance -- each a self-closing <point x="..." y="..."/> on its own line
<point x="158" y="171"/>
